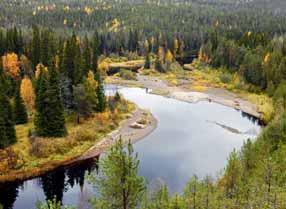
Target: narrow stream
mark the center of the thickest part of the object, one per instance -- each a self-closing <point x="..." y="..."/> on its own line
<point x="191" y="139"/>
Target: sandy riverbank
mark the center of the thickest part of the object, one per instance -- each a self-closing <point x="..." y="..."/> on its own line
<point x="220" y="96"/>
<point x="126" y="132"/>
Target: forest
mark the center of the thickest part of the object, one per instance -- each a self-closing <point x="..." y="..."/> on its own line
<point x="52" y="77"/>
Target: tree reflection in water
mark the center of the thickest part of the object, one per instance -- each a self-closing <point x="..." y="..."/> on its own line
<point x="54" y="184"/>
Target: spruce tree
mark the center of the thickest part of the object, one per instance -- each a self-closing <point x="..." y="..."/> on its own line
<point x="7" y="128"/>
<point x="86" y="63"/>
<point x="67" y="75"/>
<point x="41" y="116"/>
<point x="95" y="52"/>
<point x="20" y="112"/>
<point x="101" y="99"/>
<point x="35" y="48"/>
<point x="49" y="120"/>
<point x="55" y="110"/>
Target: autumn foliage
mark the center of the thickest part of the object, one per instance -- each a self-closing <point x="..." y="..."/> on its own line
<point x="11" y="64"/>
<point x="27" y="93"/>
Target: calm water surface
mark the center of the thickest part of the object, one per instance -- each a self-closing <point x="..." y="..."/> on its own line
<point x="186" y="142"/>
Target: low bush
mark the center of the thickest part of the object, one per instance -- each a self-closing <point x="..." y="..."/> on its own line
<point x="225" y="78"/>
<point x="127" y="74"/>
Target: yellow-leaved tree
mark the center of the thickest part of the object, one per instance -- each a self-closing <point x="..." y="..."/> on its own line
<point x="169" y="56"/>
<point x="27" y="93"/>
<point x="11" y="64"/>
<point x="39" y="68"/>
<point x="103" y="67"/>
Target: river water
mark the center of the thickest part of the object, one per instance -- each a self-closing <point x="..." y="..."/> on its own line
<point x="191" y="139"/>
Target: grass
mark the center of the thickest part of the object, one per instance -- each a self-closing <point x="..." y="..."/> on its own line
<point x="36" y="156"/>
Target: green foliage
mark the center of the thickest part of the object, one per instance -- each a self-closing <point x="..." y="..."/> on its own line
<point x="41" y="116"/>
<point x="127" y="74"/>
<point x="280" y="96"/>
<point x="117" y="97"/>
<point x="159" y="66"/>
<point x="52" y="204"/>
<point x="147" y="64"/>
<point x="101" y="99"/>
<point x="95" y="52"/>
<point x="55" y="110"/>
<point x="7" y="129"/>
<point x="19" y="109"/>
<point x="83" y="105"/>
<point x="49" y="119"/>
<point x="225" y="78"/>
<point x="118" y="183"/>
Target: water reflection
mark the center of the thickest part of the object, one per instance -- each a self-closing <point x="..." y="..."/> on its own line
<point x="52" y="185"/>
<point x="8" y="194"/>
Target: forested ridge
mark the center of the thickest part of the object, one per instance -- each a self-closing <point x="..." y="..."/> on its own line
<point x="53" y="66"/>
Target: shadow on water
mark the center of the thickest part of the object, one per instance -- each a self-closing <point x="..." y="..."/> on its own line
<point x="53" y="184"/>
<point x="9" y="194"/>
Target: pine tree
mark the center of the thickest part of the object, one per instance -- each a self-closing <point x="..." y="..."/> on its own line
<point x="49" y="120"/>
<point x="119" y="186"/>
<point x="67" y="75"/>
<point x="41" y="116"/>
<point x="44" y="49"/>
<point x="20" y="112"/>
<point x="95" y="52"/>
<point x="36" y="50"/>
<point x="7" y="128"/>
<point x="86" y="64"/>
<point x="56" y="124"/>
<point x="101" y="104"/>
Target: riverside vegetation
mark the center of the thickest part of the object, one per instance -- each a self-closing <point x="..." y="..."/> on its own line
<point x="240" y="46"/>
<point x="59" y="109"/>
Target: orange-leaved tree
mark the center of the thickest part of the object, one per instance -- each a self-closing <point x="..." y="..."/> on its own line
<point x="11" y="64"/>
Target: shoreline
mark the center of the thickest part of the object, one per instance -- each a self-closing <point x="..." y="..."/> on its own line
<point x="216" y="95"/>
<point x="98" y="148"/>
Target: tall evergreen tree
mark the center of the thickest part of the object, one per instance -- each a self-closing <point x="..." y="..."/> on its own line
<point x="49" y="120"/>
<point x="44" y="47"/>
<point x="95" y="52"/>
<point x="20" y="112"/>
<point x="56" y="124"/>
<point x="41" y="116"/>
<point x="35" y="46"/>
<point x="7" y="128"/>
<point x="86" y="63"/>
<point x="67" y="75"/>
<point x="101" y="104"/>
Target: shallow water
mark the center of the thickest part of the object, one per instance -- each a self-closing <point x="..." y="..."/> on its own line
<point x="187" y="142"/>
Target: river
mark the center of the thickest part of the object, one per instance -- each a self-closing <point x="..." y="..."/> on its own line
<point x="191" y="139"/>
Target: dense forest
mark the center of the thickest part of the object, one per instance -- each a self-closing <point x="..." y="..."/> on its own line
<point x="52" y="67"/>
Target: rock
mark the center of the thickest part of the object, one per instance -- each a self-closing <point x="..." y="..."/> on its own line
<point x="137" y="126"/>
